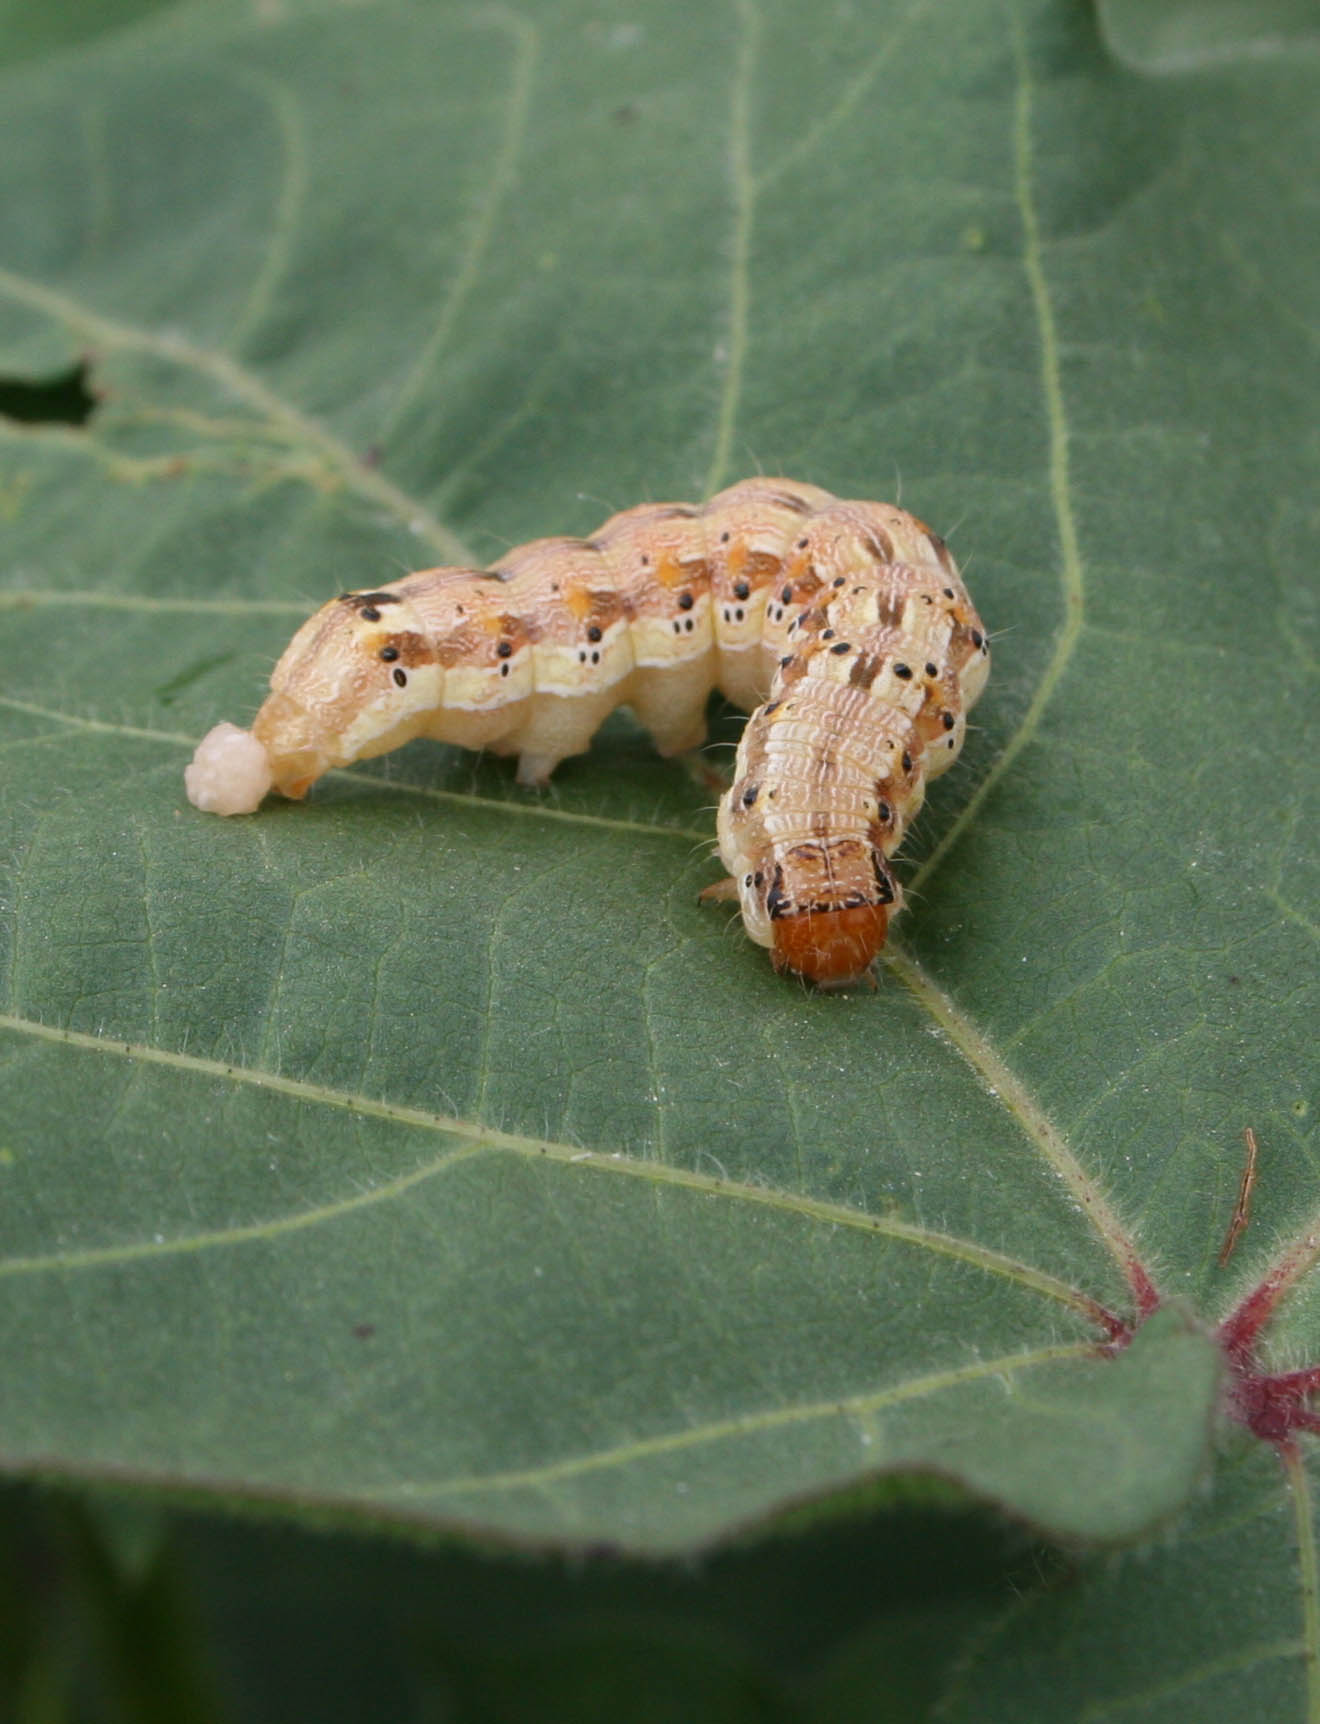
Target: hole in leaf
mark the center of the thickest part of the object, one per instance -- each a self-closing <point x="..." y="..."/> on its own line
<point x="63" y="399"/>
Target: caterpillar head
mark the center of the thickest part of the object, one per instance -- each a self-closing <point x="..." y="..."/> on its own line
<point x="354" y="681"/>
<point x="822" y="906"/>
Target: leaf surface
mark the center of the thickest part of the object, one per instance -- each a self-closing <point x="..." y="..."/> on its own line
<point x="1180" y="35"/>
<point x="426" y="1153"/>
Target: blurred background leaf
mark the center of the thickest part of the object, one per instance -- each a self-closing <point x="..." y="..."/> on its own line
<point x="1182" y="35"/>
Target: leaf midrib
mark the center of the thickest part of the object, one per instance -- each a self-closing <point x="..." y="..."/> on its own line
<point x="482" y="1139"/>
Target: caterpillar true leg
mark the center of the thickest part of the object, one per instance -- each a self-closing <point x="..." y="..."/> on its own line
<point x="721" y="892"/>
<point x="845" y="624"/>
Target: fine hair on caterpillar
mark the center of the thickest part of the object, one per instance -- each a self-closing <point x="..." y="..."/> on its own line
<point x="843" y="627"/>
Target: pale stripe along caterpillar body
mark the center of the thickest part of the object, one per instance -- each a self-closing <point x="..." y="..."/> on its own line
<point x="847" y="620"/>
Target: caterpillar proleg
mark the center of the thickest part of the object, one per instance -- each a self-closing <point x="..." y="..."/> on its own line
<point x="845" y="626"/>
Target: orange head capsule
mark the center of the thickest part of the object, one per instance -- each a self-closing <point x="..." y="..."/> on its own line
<point x="822" y="906"/>
<point x="830" y="947"/>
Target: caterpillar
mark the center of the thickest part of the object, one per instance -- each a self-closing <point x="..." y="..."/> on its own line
<point x="844" y="626"/>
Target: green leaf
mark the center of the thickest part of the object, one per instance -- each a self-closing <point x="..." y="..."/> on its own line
<point x="1180" y="35"/>
<point x="29" y="28"/>
<point x="425" y="1155"/>
<point x="1181" y="1659"/>
<point x="301" y="1625"/>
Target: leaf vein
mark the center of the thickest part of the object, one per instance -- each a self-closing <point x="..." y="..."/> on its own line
<point x="747" y="1424"/>
<point x="464" y="279"/>
<point x="1012" y="1094"/>
<point x="1071" y="568"/>
<point x="485" y="1139"/>
<point x="286" y="108"/>
<point x="1308" y="1578"/>
<point x="246" y="386"/>
<point x="744" y="213"/>
<point x="539" y="810"/>
<point x="852" y="93"/>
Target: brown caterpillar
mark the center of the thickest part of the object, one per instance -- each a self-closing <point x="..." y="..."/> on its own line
<point x="851" y="617"/>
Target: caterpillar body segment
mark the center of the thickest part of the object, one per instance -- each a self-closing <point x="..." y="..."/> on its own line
<point x="845" y="625"/>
